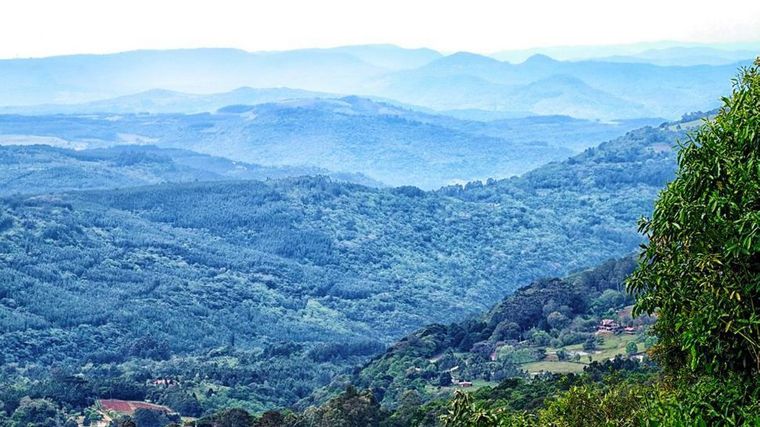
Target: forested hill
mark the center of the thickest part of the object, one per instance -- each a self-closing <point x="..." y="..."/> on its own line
<point x="349" y="135"/>
<point x="36" y="169"/>
<point x="338" y="269"/>
<point x="504" y="341"/>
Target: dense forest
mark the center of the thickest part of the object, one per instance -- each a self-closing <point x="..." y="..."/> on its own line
<point x="263" y="291"/>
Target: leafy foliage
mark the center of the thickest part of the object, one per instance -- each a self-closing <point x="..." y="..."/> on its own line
<point x="701" y="267"/>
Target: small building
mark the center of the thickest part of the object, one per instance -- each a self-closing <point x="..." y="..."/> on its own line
<point x="630" y="330"/>
<point x="608" y="326"/>
<point x="166" y="382"/>
<point x="464" y="384"/>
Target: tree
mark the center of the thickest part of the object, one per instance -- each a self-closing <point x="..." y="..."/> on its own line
<point x="608" y="300"/>
<point x="540" y="337"/>
<point x="562" y="354"/>
<point x="649" y="342"/>
<point x="233" y="417"/>
<point x="150" y="418"/>
<point x="351" y="409"/>
<point x="270" y="419"/>
<point x="590" y="343"/>
<point x="557" y="320"/>
<point x="631" y="348"/>
<point x="444" y="380"/>
<point x="700" y="271"/>
<point x="506" y="331"/>
<point x="37" y="413"/>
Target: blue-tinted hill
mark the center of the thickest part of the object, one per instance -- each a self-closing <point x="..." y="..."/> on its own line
<point x="390" y="144"/>
<point x="35" y="169"/>
<point x="590" y="89"/>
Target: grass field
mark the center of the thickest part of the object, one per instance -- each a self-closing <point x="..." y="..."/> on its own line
<point x="551" y="366"/>
<point x="613" y="345"/>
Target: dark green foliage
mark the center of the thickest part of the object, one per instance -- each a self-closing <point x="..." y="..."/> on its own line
<point x="150" y="418"/>
<point x="609" y="299"/>
<point x="271" y="419"/>
<point x="612" y="393"/>
<point x="590" y="343"/>
<point x="707" y="401"/>
<point x="631" y="348"/>
<point x="700" y="275"/>
<point x="444" y="379"/>
<point x="227" y="418"/>
<point x="183" y="401"/>
<point x="310" y="276"/>
<point x="701" y="268"/>
<point x="36" y="413"/>
<point x="350" y="409"/>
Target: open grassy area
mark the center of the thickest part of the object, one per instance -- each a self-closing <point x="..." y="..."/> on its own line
<point x="551" y="366"/>
<point x="613" y="345"/>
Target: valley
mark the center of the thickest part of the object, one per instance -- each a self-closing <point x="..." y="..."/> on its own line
<point x="307" y="272"/>
<point x="379" y="236"/>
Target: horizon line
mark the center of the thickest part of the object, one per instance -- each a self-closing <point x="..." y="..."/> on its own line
<point x="644" y="45"/>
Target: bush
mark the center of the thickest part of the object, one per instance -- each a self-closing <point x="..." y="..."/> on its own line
<point x="631" y="348"/>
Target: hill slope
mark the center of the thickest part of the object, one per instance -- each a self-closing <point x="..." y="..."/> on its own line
<point x="508" y="339"/>
<point x="157" y="101"/>
<point x="34" y="169"/>
<point x="379" y="140"/>
<point x="337" y="269"/>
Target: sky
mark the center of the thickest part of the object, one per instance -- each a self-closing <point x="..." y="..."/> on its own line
<point x="35" y="28"/>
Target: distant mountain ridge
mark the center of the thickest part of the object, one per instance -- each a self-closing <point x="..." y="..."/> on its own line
<point x="158" y="101"/>
<point x="591" y="89"/>
<point x="384" y="142"/>
<point x="657" y="53"/>
<point x="609" y="89"/>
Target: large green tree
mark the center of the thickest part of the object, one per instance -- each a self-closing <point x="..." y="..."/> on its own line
<point x="700" y="271"/>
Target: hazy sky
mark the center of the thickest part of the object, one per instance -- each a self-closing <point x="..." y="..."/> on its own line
<point x="51" y="27"/>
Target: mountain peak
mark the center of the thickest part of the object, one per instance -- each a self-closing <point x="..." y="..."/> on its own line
<point x="540" y="59"/>
<point x="468" y="57"/>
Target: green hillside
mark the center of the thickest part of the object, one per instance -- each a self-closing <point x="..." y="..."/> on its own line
<point x="149" y="281"/>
